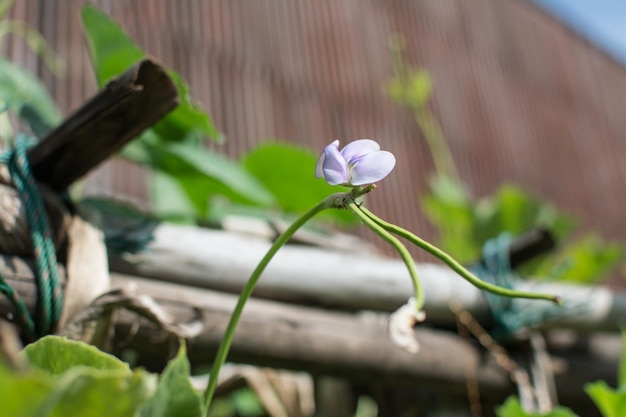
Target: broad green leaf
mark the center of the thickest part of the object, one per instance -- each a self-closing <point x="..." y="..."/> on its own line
<point x="187" y="122"/>
<point x="112" y="52"/>
<point x="24" y="393"/>
<point x="175" y="396"/>
<point x="169" y="200"/>
<point x="200" y="174"/>
<point x="92" y="392"/>
<point x="224" y="171"/>
<point x="512" y="408"/>
<point x="586" y="260"/>
<point x="288" y="172"/>
<point x="611" y="402"/>
<point x="514" y="211"/>
<point x="24" y="94"/>
<point x="56" y="355"/>
<point x="465" y="225"/>
<point x="72" y="379"/>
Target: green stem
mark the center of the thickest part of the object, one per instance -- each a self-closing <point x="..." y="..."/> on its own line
<point x="439" y="149"/>
<point x="362" y="214"/>
<point x="335" y="200"/>
<point x="454" y="265"/>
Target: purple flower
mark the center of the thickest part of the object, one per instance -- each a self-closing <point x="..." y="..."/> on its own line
<point x="360" y="162"/>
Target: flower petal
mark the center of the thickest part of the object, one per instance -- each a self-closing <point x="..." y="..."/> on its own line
<point x="372" y="168"/>
<point x="319" y="166"/>
<point x="354" y="151"/>
<point x="332" y="165"/>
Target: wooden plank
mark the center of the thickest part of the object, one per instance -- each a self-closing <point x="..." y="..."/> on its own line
<point x="127" y="106"/>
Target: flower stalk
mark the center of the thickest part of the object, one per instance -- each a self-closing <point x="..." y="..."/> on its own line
<point x="338" y="200"/>
<point x="454" y="264"/>
<point x="361" y="213"/>
<point x="358" y="165"/>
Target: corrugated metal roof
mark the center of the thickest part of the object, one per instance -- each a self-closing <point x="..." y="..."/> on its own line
<point x="521" y="98"/>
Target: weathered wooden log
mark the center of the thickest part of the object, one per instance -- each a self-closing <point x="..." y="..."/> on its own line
<point x="342" y="344"/>
<point x="127" y="106"/>
<point x="223" y="261"/>
<point x="347" y="345"/>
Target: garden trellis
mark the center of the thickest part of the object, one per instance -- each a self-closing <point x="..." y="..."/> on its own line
<point x="312" y="312"/>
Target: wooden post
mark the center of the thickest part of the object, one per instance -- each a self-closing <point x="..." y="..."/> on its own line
<point x="127" y="106"/>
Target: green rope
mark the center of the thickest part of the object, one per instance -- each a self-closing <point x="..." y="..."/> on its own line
<point x="20" y="308"/>
<point x="49" y="294"/>
<point x="510" y="315"/>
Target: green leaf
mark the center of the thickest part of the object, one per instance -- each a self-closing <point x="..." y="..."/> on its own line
<point x="224" y="171"/>
<point x="512" y="408"/>
<point x="97" y="393"/>
<point x="188" y="122"/>
<point x="586" y="260"/>
<point x="24" y="393"/>
<point x="288" y="172"/>
<point x="611" y="402"/>
<point x="56" y="355"/>
<point x="73" y="379"/>
<point x="198" y="173"/>
<point x="175" y="396"/>
<point x="112" y="52"/>
<point x="514" y="211"/>
<point x="465" y="225"/>
<point x="170" y="201"/>
<point x="25" y="95"/>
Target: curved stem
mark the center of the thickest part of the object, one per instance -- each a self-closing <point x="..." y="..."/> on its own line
<point x="361" y="213"/>
<point x="454" y="265"/>
<point x="332" y="201"/>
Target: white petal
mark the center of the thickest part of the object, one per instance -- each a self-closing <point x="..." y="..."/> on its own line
<point x="319" y="172"/>
<point x="359" y="148"/>
<point x="333" y="166"/>
<point x="372" y="168"/>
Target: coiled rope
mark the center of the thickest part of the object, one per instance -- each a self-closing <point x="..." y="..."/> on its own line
<point x="49" y="293"/>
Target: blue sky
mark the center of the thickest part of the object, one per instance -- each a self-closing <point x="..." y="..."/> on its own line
<point x="602" y="21"/>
